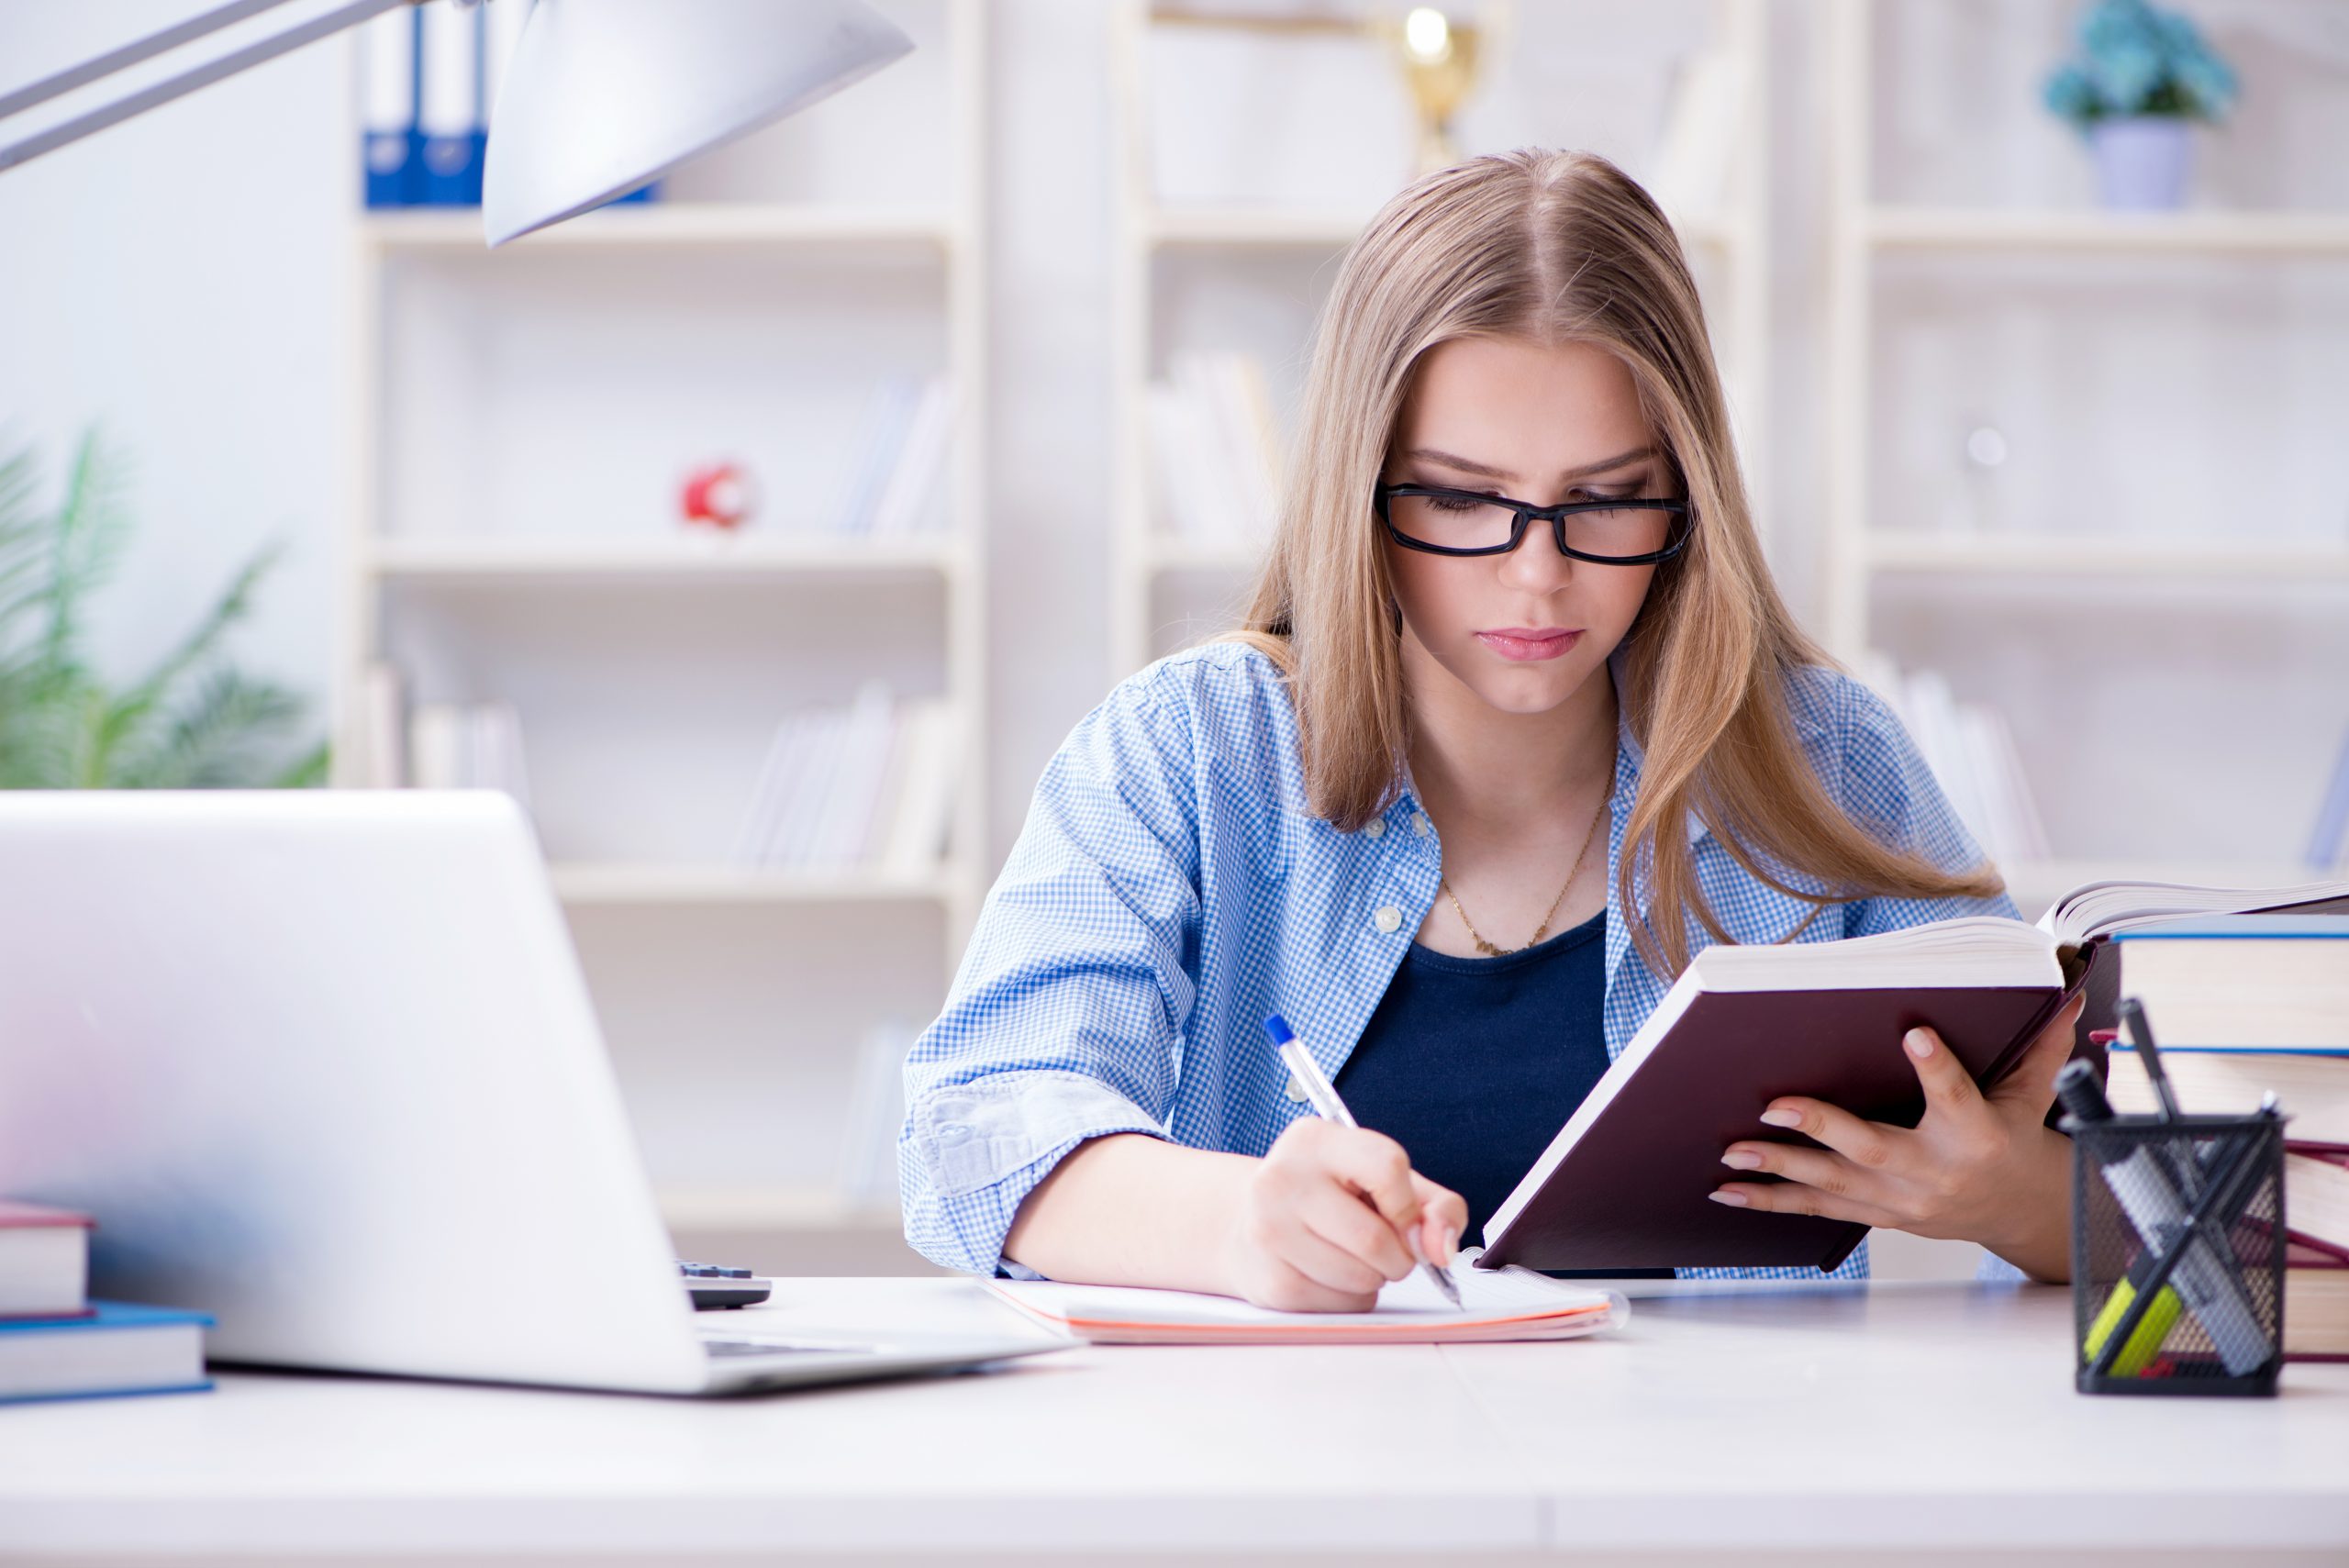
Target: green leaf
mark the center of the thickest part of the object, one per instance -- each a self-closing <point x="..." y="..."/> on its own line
<point x="199" y="646"/>
<point x="224" y="739"/>
<point x="191" y="722"/>
<point x="308" y="770"/>
<point x="84" y="543"/>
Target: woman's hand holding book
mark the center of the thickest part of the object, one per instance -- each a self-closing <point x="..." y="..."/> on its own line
<point x="1978" y="1167"/>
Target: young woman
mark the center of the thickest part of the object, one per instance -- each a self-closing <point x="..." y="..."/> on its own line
<point x="1516" y="723"/>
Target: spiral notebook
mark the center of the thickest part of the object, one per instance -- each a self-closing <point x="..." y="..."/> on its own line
<point x="1497" y="1303"/>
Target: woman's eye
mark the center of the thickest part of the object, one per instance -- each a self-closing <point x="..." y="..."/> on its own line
<point x="1453" y="504"/>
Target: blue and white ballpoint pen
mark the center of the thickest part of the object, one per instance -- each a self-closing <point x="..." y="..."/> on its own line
<point x="1322" y="1095"/>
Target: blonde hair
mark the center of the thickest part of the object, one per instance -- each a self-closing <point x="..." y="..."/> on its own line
<point x="1556" y="247"/>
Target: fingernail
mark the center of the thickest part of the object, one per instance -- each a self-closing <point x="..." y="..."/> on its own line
<point x="1778" y="1118"/>
<point x="1735" y="1200"/>
<point x="1451" y="1248"/>
<point x="1742" y="1160"/>
<point x="1920" y="1043"/>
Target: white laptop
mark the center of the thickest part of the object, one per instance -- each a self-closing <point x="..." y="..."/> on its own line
<point x="322" y="1065"/>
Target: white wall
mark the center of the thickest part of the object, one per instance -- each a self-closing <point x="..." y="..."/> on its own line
<point x="180" y="280"/>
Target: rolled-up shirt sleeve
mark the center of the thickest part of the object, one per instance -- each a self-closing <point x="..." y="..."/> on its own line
<point x="1065" y="1018"/>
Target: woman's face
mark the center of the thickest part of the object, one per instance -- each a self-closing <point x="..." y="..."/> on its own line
<point x="1539" y="423"/>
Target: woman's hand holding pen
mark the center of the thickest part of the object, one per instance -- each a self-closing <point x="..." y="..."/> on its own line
<point x="1323" y="1220"/>
<point x="1979" y="1167"/>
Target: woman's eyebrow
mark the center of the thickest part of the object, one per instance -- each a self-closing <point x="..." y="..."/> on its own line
<point x="1489" y="471"/>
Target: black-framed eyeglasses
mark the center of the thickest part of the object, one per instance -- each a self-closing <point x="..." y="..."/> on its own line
<point x="1633" y="531"/>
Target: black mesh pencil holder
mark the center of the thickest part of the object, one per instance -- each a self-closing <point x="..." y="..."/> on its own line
<point x="2177" y="1253"/>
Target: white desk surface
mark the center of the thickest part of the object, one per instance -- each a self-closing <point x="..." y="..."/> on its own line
<point x="1829" y="1419"/>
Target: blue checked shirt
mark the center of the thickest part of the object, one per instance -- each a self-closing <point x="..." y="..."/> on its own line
<point x="1171" y="889"/>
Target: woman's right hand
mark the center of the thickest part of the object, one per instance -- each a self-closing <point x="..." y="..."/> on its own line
<point x="1329" y="1216"/>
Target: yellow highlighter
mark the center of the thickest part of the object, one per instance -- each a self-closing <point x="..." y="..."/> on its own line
<point x="2160" y="1316"/>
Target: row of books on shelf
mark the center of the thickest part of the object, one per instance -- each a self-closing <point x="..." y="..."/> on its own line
<point x="1214" y="449"/>
<point x="895" y="485"/>
<point x="869" y="783"/>
<point x="442" y="745"/>
<point x="2244" y="1007"/>
<point x="1971" y="749"/>
<point x="56" y="1343"/>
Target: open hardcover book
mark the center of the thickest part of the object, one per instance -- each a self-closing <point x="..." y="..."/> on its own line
<point x="1624" y="1184"/>
<point x="1499" y="1304"/>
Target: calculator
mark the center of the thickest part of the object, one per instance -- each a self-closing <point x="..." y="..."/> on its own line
<point x="713" y="1286"/>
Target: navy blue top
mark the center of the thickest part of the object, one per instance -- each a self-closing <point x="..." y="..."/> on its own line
<point x="1473" y="1064"/>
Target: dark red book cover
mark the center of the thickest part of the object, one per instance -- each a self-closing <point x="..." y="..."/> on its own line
<point x="1631" y="1192"/>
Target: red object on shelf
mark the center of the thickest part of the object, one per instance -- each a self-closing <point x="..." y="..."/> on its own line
<point x="718" y="495"/>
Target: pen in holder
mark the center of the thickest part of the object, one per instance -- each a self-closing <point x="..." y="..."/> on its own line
<point x="2177" y="1252"/>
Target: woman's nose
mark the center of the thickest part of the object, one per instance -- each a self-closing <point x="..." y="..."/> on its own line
<point x="1537" y="563"/>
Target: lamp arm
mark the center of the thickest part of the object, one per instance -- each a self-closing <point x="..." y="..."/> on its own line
<point x="349" y="13"/>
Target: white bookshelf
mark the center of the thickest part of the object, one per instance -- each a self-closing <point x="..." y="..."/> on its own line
<point x="673" y="225"/>
<point x="714" y="558"/>
<point x="2102" y="576"/>
<point x="731" y="998"/>
<point x="1167" y="589"/>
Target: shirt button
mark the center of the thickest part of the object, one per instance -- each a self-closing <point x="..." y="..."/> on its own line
<point x="1387" y="919"/>
<point x="1374" y="828"/>
<point x="1421" y="825"/>
<point x="1296" y="1091"/>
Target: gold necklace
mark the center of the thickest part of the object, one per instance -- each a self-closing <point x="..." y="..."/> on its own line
<point x="1541" y="930"/>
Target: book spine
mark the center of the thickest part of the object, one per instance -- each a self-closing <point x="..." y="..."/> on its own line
<point x="436" y="746"/>
<point x="862" y="752"/>
<point x="384" y="705"/>
<point x="453" y="142"/>
<point x="920" y="457"/>
<point x="889" y="412"/>
<point x="388" y="86"/>
<point x="917" y="837"/>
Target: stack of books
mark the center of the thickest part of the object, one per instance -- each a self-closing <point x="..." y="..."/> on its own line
<point x="870" y="784"/>
<point x="2244" y="1005"/>
<point x="56" y="1343"/>
<point x="1214" y="449"/>
<point x="895" y="483"/>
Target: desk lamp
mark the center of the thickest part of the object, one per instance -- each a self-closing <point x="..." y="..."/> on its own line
<point x="602" y="96"/>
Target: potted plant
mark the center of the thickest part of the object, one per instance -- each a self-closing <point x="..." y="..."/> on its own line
<point x="192" y="721"/>
<point x="2143" y="76"/>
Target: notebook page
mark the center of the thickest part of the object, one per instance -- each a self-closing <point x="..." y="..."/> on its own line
<point x="1487" y="1296"/>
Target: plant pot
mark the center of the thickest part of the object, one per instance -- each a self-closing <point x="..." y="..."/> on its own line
<point x="2142" y="162"/>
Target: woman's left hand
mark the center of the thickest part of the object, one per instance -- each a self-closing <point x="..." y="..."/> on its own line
<point x="1979" y="1167"/>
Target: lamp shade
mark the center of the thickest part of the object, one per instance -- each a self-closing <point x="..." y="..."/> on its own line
<point x="604" y="96"/>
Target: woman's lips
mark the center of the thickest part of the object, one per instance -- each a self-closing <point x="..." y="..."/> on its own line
<point x="1526" y="645"/>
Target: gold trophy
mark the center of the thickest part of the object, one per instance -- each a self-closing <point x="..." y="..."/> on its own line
<point x="1439" y="59"/>
<point x="1438" y="56"/>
